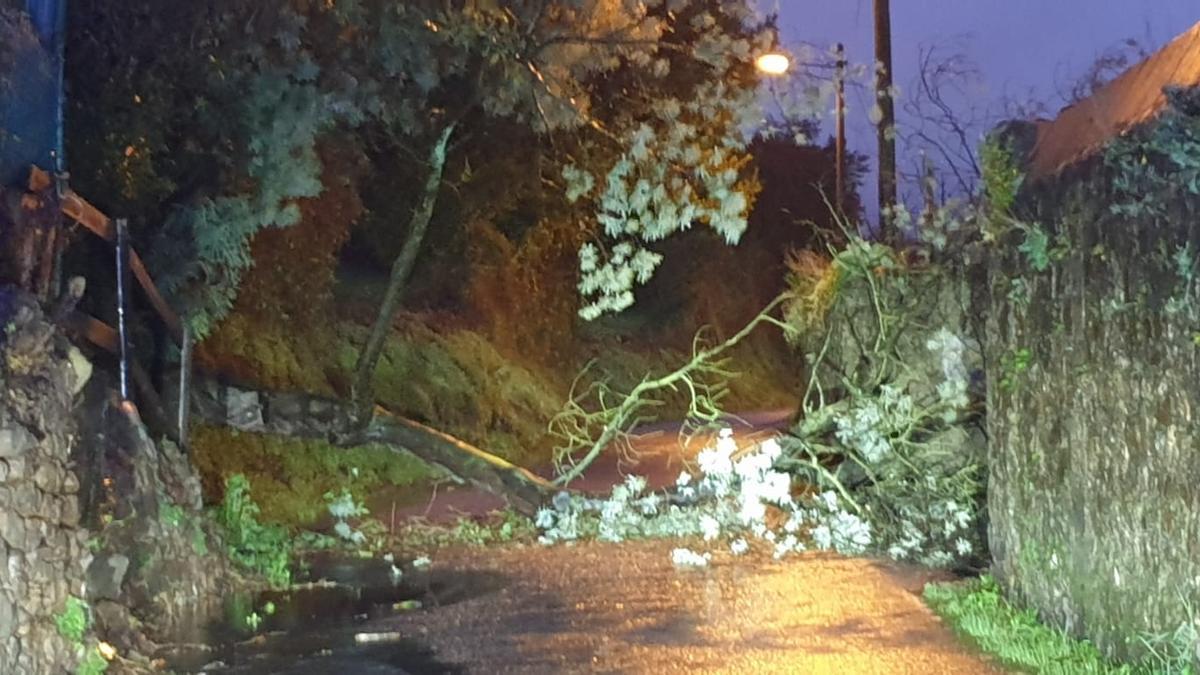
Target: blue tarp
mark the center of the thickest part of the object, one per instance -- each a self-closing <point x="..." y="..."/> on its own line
<point x="31" y="89"/>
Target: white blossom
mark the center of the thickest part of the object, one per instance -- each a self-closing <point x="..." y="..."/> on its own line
<point x="683" y="557"/>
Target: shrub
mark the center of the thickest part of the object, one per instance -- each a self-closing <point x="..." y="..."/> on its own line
<point x="262" y="549"/>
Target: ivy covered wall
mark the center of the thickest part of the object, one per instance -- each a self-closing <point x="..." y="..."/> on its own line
<point x="1093" y="338"/>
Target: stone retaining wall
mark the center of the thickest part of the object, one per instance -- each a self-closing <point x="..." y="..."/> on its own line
<point x="42" y="547"/>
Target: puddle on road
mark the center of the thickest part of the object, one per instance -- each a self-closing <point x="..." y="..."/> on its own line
<point x="312" y="629"/>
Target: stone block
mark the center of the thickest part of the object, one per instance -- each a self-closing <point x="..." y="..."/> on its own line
<point x="70" y="484"/>
<point x="48" y="477"/>
<point x="16" y="468"/>
<point x="8" y="618"/>
<point x="12" y="530"/>
<point x="69" y="511"/>
<point x="243" y="410"/>
<point x="286" y="406"/>
<point x="105" y="576"/>
<point x="25" y="499"/>
<point x="16" y="441"/>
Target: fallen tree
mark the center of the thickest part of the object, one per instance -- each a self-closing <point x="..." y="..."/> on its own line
<point x="300" y="415"/>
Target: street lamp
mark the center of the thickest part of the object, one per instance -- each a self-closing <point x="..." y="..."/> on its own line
<point x="772" y="63"/>
<point x="776" y="64"/>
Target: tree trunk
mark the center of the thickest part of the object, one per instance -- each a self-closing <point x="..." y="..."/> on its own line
<point x="524" y="491"/>
<point x="361" y="391"/>
<point x="298" y="415"/>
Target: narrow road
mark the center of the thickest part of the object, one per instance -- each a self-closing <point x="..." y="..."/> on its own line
<point x="625" y="608"/>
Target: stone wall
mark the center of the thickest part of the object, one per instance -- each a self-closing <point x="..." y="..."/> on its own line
<point x="42" y="548"/>
<point x="72" y="455"/>
<point x="1093" y="366"/>
<point x="160" y="568"/>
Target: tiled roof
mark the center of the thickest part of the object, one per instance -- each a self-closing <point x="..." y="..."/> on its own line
<point x="1129" y="100"/>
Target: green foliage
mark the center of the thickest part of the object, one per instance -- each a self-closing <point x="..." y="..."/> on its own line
<point x="290" y="476"/>
<point x="511" y="526"/>
<point x="203" y="250"/>
<point x="1183" y="300"/>
<point x="1018" y="291"/>
<point x="1013" y="364"/>
<point x="175" y="516"/>
<point x="498" y="528"/>
<point x="1036" y="247"/>
<point x="978" y="610"/>
<point x="1002" y="177"/>
<point x="343" y="507"/>
<point x="93" y="663"/>
<point x="73" y="621"/>
<point x="1174" y="652"/>
<point x="262" y="549"/>
<point x="219" y="139"/>
<point x="1158" y="165"/>
<point x="309" y="540"/>
<point x="199" y="542"/>
<point x="241" y="614"/>
<point x="171" y="514"/>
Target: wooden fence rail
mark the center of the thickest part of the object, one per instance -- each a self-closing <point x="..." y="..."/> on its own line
<point x="92" y="219"/>
<point x="105" y="336"/>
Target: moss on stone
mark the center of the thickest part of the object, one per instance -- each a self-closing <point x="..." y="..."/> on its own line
<point x="289" y="477"/>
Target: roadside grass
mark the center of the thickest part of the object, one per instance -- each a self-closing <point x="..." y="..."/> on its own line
<point x="1016" y="639"/>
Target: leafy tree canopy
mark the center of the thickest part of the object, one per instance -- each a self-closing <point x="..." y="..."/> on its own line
<point x="645" y="104"/>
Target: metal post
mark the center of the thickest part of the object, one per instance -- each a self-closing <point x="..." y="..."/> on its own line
<point x="185" y="384"/>
<point x="122" y="303"/>
<point x="840" y="144"/>
<point x="928" y="185"/>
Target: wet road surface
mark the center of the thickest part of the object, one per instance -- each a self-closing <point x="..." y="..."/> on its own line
<point x="625" y="608"/>
<point x="622" y="608"/>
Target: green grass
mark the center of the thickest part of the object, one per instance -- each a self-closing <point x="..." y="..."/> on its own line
<point x="1016" y="639"/>
<point x="290" y="476"/>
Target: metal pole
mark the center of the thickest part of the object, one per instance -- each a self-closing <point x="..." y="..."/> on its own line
<point x="840" y="144"/>
<point x="928" y="184"/>
<point x="122" y="303"/>
<point x="185" y="384"/>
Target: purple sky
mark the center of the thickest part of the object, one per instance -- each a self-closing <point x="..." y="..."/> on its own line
<point x="1021" y="47"/>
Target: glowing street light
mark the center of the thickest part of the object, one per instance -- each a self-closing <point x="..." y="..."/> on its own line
<point x="772" y="64"/>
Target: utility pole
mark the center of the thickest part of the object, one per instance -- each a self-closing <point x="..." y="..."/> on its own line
<point x="887" y="118"/>
<point x="840" y="143"/>
<point x="928" y="186"/>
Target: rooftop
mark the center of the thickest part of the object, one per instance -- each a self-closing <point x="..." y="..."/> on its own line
<point x="1133" y="98"/>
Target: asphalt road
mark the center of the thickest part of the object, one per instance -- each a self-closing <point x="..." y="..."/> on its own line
<point x="626" y="608"/>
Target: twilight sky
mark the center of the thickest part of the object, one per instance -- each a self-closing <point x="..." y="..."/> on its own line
<point x="1023" y="48"/>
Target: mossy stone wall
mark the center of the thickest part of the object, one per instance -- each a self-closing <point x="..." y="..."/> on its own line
<point x="1093" y="366"/>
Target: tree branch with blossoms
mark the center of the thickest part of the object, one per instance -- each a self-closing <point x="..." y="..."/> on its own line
<point x="597" y="416"/>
